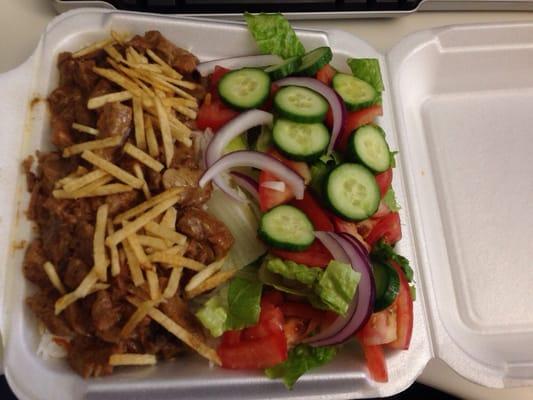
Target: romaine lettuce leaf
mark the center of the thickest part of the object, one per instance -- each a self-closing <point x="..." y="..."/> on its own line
<point x="368" y="70"/>
<point x="294" y="271"/>
<point x="390" y="200"/>
<point x="214" y="313"/>
<point x="274" y="35"/>
<point x="300" y="360"/>
<point x="337" y="286"/>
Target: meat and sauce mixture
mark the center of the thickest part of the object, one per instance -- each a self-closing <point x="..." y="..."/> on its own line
<point x="121" y="227"/>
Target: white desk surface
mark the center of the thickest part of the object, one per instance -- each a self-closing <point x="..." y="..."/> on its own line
<point x="23" y="21"/>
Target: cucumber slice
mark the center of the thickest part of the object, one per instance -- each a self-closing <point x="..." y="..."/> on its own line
<point x="314" y="60"/>
<point x="302" y="142"/>
<point x="300" y="104"/>
<point x="355" y="92"/>
<point x="244" y="88"/>
<point x="352" y="192"/>
<point x="387" y="285"/>
<point x="286" y="68"/>
<point x="369" y="147"/>
<point x="287" y="228"/>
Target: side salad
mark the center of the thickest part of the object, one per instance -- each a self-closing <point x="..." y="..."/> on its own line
<point x="291" y="134"/>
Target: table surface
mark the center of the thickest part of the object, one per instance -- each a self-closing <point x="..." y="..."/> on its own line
<point x="23" y="21"/>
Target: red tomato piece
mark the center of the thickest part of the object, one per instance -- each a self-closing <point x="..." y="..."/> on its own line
<point x="314" y="211"/>
<point x="387" y="228"/>
<point x="349" y="227"/>
<point x="231" y="338"/>
<point x="299" y="310"/>
<point x="375" y="362"/>
<point x="381" y="327"/>
<point x="315" y="255"/>
<point x="384" y="181"/>
<point x="214" y="114"/>
<point x="299" y="167"/>
<point x="326" y="74"/>
<point x="354" y="120"/>
<point x="382" y="210"/>
<point x="217" y="74"/>
<point x="273" y="297"/>
<point x="404" y="319"/>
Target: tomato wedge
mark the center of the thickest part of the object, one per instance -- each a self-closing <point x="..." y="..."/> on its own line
<point x="387" y="228"/>
<point x="217" y="74"/>
<point x="260" y="346"/>
<point x="404" y="312"/>
<point x="315" y="255"/>
<point x="349" y="227"/>
<point x="326" y="74"/>
<point x="314" y="211"/>
<point x="269" y="198"/>
<point x="381" y="328"/>
<point x="384" y="181"/>
<point x="354" y="120"/>
<point x="214" y="114"/>
<point x="375" y="362"/>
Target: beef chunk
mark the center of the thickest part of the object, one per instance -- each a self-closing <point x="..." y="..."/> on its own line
<point x="186" y="177"/>
<point x="115" y="120"/>
<point x="90" y="356"/>
<point x="42" y="306"/>
<point x="33" y="265"/>
<point x="201" y="226"/>
<point x="178" y="58"/>
<point x="75" y="272"/>
<point x="53" y="167"/>
<point x="121" y="202"/>
<point x="103" y="86"/>
<point x="200" y="251"/>
<point x="76" y="316"/>
<point x="165" y="346"/>
<point x="103" y="313"/>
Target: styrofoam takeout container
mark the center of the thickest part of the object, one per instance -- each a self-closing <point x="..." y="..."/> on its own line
<point x="457" y="105"/>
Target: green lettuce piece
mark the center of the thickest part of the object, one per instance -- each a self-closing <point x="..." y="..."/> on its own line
<point x="384" y="253"/>
<point x="300" y="360"/>
<point x="236" y="144"/>
<point x="390" y="200"/>
<point x="368" y="70"/>
<point x="214" y="313"/>
<point x="337" y="286"/>
<point x="294" y="271"/>
<point x="244" y="297"/>
<point x="283" y="285"/>
<point x="274" y="35"/>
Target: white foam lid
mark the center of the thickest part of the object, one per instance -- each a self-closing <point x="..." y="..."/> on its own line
<point x="460" y="120"/>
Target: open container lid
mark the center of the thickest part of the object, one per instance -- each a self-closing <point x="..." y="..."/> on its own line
<point x="459" y="120"/>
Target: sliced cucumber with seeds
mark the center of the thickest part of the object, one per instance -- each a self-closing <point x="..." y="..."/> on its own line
<point x="244" y="88"/>
<point x="352" y="192"/>
<point x="285" y="68"/>
<point x="314" y="60"/>
<point x="286" y="227"/>
<point x="387" y="285"/>
<point x="355" y="92"/>
<point x="300" y="104"/>
<point x="299" y="141"/>
<point x="368" y="146"/>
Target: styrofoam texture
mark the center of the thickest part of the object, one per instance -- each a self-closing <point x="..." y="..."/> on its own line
<point x="463" y="99"/>
<point x="33" y="378"/>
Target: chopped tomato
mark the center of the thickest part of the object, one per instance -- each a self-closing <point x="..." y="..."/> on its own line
<point x="375" y="362"/>
<point x="382" y="210"/>
<point x="260" y="346"/>
<point x="355" y="120"/>
<point x="314" y="211"/>
<point x="273" y="297"/>
<point x="349" y="227"/>
<point x="326" y="74"/>
<point x="217" y="74"/>
<point x="404" y="318"/>
<point x="365" y="227"/>
<point x="380" y="328"/>
<point x="269" y="198"/>
<point x="214" y="114"/>
<point x="387" y="228"/>
<point x="384" y="181"/>
<point x="315" y="255"/>
<point x="300" y="310"/>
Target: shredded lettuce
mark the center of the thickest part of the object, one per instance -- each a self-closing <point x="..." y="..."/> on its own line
<point x="368" y="70"/>
<point x="390" y="200"/>
<point x="337" y="286"/>
<point x="301" y="359"/>
<point x="294" y="271"/>
<point x="274" y="35"/>
<point x="214" y="313"/>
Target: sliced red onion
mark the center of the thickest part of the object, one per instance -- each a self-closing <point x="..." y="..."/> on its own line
<point x="226" y="134"/>
<point x="337" y="105"/>
<point x="255" y="159"/>
<point x="278" y="186"/>
<point x="247" y="183"/>
<point x="263" y="60"/>
<point x="362" y="305"/>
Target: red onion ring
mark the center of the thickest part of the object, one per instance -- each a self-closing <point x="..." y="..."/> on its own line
<point x="263" y="60"/>
<point x="337" y="105"/>
<point x="247" y="183"/>
<point x="362" y="305"/>
<point x="246" y="158"/>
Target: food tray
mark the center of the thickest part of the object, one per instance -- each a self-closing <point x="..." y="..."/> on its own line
<point x="431" y="77"/>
